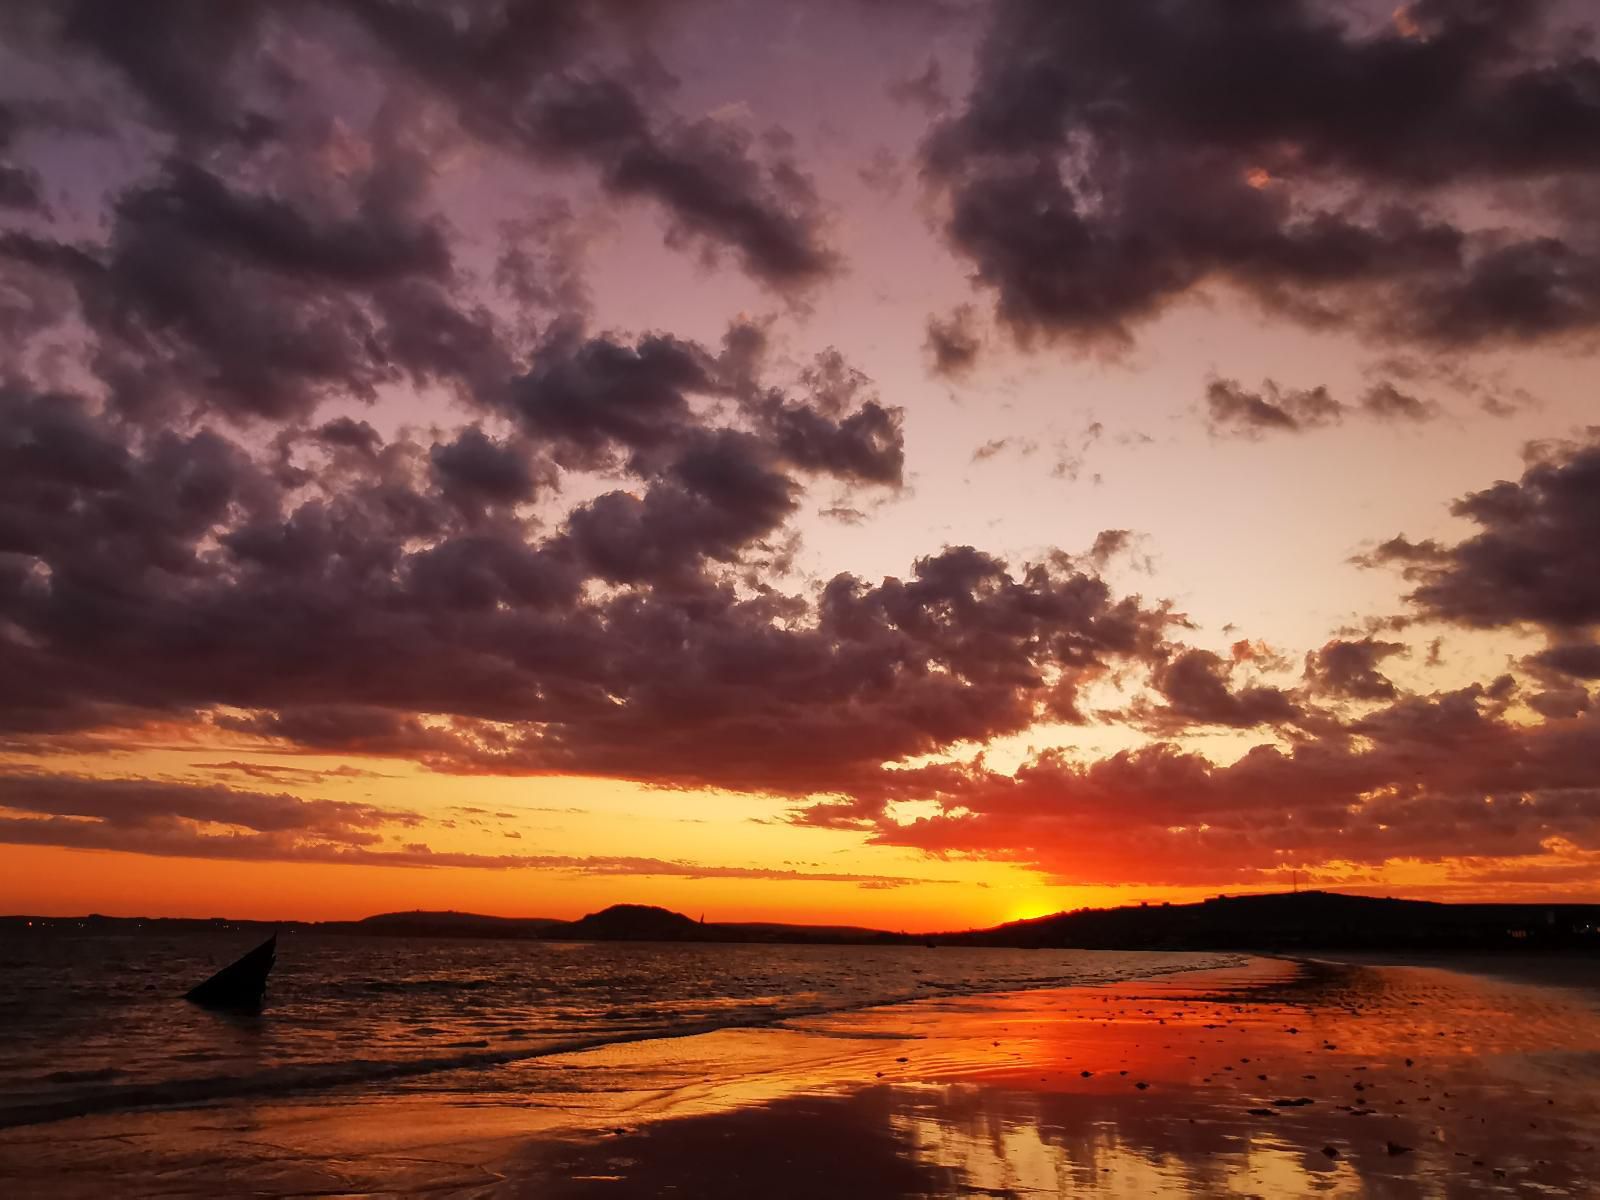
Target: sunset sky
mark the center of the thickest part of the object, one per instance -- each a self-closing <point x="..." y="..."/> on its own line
<point x="913" y="463"/>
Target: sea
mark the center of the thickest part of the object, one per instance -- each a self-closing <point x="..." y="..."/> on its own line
<point x="95" y="1023"/>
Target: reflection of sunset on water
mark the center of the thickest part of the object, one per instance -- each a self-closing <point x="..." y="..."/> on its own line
<point x="1025" y="1090"/>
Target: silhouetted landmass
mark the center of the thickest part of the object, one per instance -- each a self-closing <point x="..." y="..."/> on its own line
<point x="443" y="924"/>
<point x="620" y="922"/>
<point x="1275" y="922"/>
<point x="632" y="923"/>
<point x="1303" y="920"/>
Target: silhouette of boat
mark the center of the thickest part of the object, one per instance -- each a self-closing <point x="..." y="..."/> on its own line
<point x="241" y="984"/>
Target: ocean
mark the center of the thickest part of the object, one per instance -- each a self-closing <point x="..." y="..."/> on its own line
<point x="93" y="1023"/>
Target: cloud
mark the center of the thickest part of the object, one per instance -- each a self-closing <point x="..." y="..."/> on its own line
<point x="1349" y="669"/>
<point x="278" y="773"/>
<point x="1535" y="558"/>
<point x="170" y="820"/>
<point x="1235" y="411"/>
<point x="1110" y="161"/>
<point x="124" y="804"/>
<point x="1581" y="660"/>
<point x="19" y="184"/>
<point x="1197" y="686"/>
<point x="338" y="592"/>
<point x="181" y="820"/>
<point x="705" y="174"/>
<point x="1385" y="402"/>
<point x="1239" y="412"/>
<point x="181" y="60"/>
<point x="1424" y="779"/>
<point x="211" y="297"/>
<point x="953" y="342"/>
<point x="476" y="470"/>
<point x="998" y="446"/>
<point x="551" y="82"/>
<point x="925" y="89"/>
<point x="535" y="78"/>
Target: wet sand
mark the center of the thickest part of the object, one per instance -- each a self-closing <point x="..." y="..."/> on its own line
<point x="1275" y="1079"/>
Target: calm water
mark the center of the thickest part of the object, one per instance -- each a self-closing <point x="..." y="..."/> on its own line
<point x="94" y="1023"/>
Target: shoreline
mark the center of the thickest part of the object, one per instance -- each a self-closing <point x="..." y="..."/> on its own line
<point x="1253" y="1070"/>
<point x="290" y="1083"/>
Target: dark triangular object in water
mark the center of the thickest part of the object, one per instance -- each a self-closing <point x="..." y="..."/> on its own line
<point x="241" y="984"/>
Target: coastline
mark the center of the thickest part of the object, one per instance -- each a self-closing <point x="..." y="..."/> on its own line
<point x="1250" y="1074"/>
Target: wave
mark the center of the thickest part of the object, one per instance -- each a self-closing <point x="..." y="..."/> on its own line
<point x="274" y="1082"/>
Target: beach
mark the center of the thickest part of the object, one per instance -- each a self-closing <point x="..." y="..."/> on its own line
<point x="1269" y="1078"/>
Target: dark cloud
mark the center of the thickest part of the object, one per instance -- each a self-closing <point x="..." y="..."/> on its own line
<point x="1108" y="545"/>
<point x="997" y="446"/>
<point x="867" y="446"/>
<point x="1349" y="669"/>
<point x="1428" y="778"/>
<point x="1581" y="660"/>
<point x="19" y="188"/>
<point x="600" y="402"/>
<point x="553" y="81"/>
<point x="1234" y="410"/>
<point x="1490" y="391"/>
<point x="1110" y="160"/>
<point x="592" y="395"/>
<point x="475" y="471"/>
<point x="136" y="803"/>
<point x="716" y="501"/>
<point x="186" y="820"/>
<point x="1385" y="402"/>
<point x="705" y="174"/>
<point x="341" y="593"/>
<point x="1559" y="703"/>
<point x="181" y="58"/>
<point x="1534" y="559"/>
<point x="953" y="342"/>
<point x="211" y="297"/>
<point x="533" y="76"/>
<point x="925" y="89"/>
<point x="1198" y="688"/>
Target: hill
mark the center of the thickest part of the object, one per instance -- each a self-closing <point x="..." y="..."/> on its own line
<point x="1303" y="920"/>
<point x="630" y="923"/>
<point x="1271" y="922"/>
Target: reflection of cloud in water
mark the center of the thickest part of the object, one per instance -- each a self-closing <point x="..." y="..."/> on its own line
<point x="989" y="1096"/>
<point x="1249" y="1073"/>
<point x="1020" y="1143"/>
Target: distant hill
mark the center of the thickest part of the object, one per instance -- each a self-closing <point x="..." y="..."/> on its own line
<point x="1303" y="920"/>
<point x="1274" y="922"/>
<point x="631" y="923"/>
<point x="444" y="924"/>
<point x="618" y="923"/>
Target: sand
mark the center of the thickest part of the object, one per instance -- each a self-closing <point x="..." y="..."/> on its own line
<point x="1276" y="1079"/>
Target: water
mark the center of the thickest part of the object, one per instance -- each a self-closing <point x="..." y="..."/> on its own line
<point x="93" y="1023"/>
